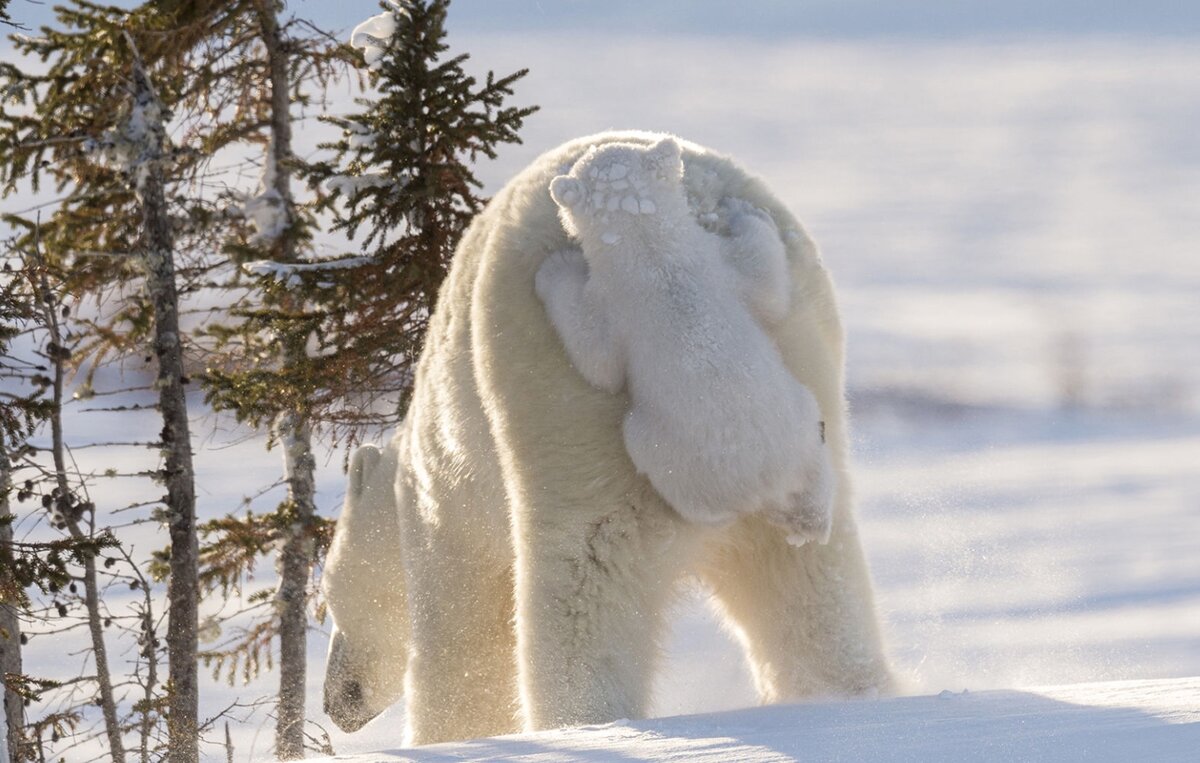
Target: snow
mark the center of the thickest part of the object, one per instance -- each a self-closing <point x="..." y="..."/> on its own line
<point x="359" y="136"/>
<point x="267" y="211"/>
<point x="372" y="36"/>
<point x="131" y="146"/>
<point x="288" y="272"/>
<point x="276" y="271"/>
<point x="1120" y="721"/>
<point x="351" y="185"/>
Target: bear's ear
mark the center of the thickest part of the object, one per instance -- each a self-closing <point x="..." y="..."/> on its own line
<point x="566" y="191"/>
<point x="666" y="157"/>
<point x="362" y="464"/>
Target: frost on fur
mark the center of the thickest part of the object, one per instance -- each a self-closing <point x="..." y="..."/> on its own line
<point x="677" y="316"/>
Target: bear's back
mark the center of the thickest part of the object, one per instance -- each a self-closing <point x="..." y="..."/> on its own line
<point x="495" y="391"/>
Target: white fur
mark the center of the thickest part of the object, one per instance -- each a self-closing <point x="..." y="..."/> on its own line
<point x="654" y="304"/>
<point x="538" y="563"/>
<point x="363" y="583"/>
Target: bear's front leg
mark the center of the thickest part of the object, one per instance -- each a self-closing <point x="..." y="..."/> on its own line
<point x="561" y="284"/>
<point x="461" y="677"/>
<point x="756" y="252"/>
<point x="461" y="681"/>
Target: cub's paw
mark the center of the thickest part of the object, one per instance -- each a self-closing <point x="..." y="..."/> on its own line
<point x="559" y="270"/>
<point x="746" y="219"/>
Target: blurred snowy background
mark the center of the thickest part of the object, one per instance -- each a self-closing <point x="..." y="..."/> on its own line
<point x="1008" y="197"/>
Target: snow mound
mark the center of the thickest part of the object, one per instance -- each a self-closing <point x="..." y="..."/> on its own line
<point x="1128" y="720"/>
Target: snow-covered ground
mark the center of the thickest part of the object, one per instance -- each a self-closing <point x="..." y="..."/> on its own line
<point x="1014" y="231"/>
<point x="1120" y="721"/>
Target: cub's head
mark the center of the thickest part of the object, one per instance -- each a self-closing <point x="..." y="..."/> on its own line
<point x="615" y="184"/>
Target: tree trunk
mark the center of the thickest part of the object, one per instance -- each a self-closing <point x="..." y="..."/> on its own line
<point x="294" y="565"/>
<point x="177" y="473"/>
<point x="72" y="520"/>
<point x="10" y="634"/>
<point x="292" y="431"/>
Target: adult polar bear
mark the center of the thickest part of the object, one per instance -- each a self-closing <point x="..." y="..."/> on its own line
<point x="538" y="565"/>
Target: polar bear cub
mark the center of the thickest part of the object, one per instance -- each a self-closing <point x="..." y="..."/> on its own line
<point x="677" y="316"/>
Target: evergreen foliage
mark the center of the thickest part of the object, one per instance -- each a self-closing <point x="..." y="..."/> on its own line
<point x="57" y="574"/>
<point x="328" y="339"/>
<point x="133" y="119"/>
<point x="23" y="405"/>
<point x="94" y="125"/>
<point x="74" y="128"/>
<point x="401" y="176"/>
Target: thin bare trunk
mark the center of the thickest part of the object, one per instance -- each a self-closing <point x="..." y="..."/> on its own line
<point x="292" y="430"/>
<point x="295" y="564"/>
<point x="177" y="473"/>
<point x="71" y="518"/>
<point x="151" y="681"/>
<point x="149" y="642"/>
<point x="10" y="633"/>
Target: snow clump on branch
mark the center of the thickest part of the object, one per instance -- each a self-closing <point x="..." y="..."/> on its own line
<point x="131" y="145"/>
<point x="288" y="273"/>
<point x="360" y="137"/>
<point x="372" y="35"/>
<point x="267" y="211"/>
<point x="351" y="185"/>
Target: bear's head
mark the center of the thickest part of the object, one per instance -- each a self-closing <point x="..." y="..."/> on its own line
<point x="618" y="184"/>
<point x="364" y="588"/>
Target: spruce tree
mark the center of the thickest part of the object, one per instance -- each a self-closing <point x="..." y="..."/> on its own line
<point x="63" y="569"/>
<point x="269" y="67"/>
<point x="10" y="623"/>
<point x="400" y="180"/>
<point x="94" y="125"/>
<point x="20" y="413"/>
<point x="330" y="337"/>
<point x="229" y="73"/>
<point x="159" y="262"/>
<point x="299" y="344"/>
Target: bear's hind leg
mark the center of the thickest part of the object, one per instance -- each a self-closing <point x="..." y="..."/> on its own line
<point x="805" y="614"/>
<point x="592" y="589"/>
